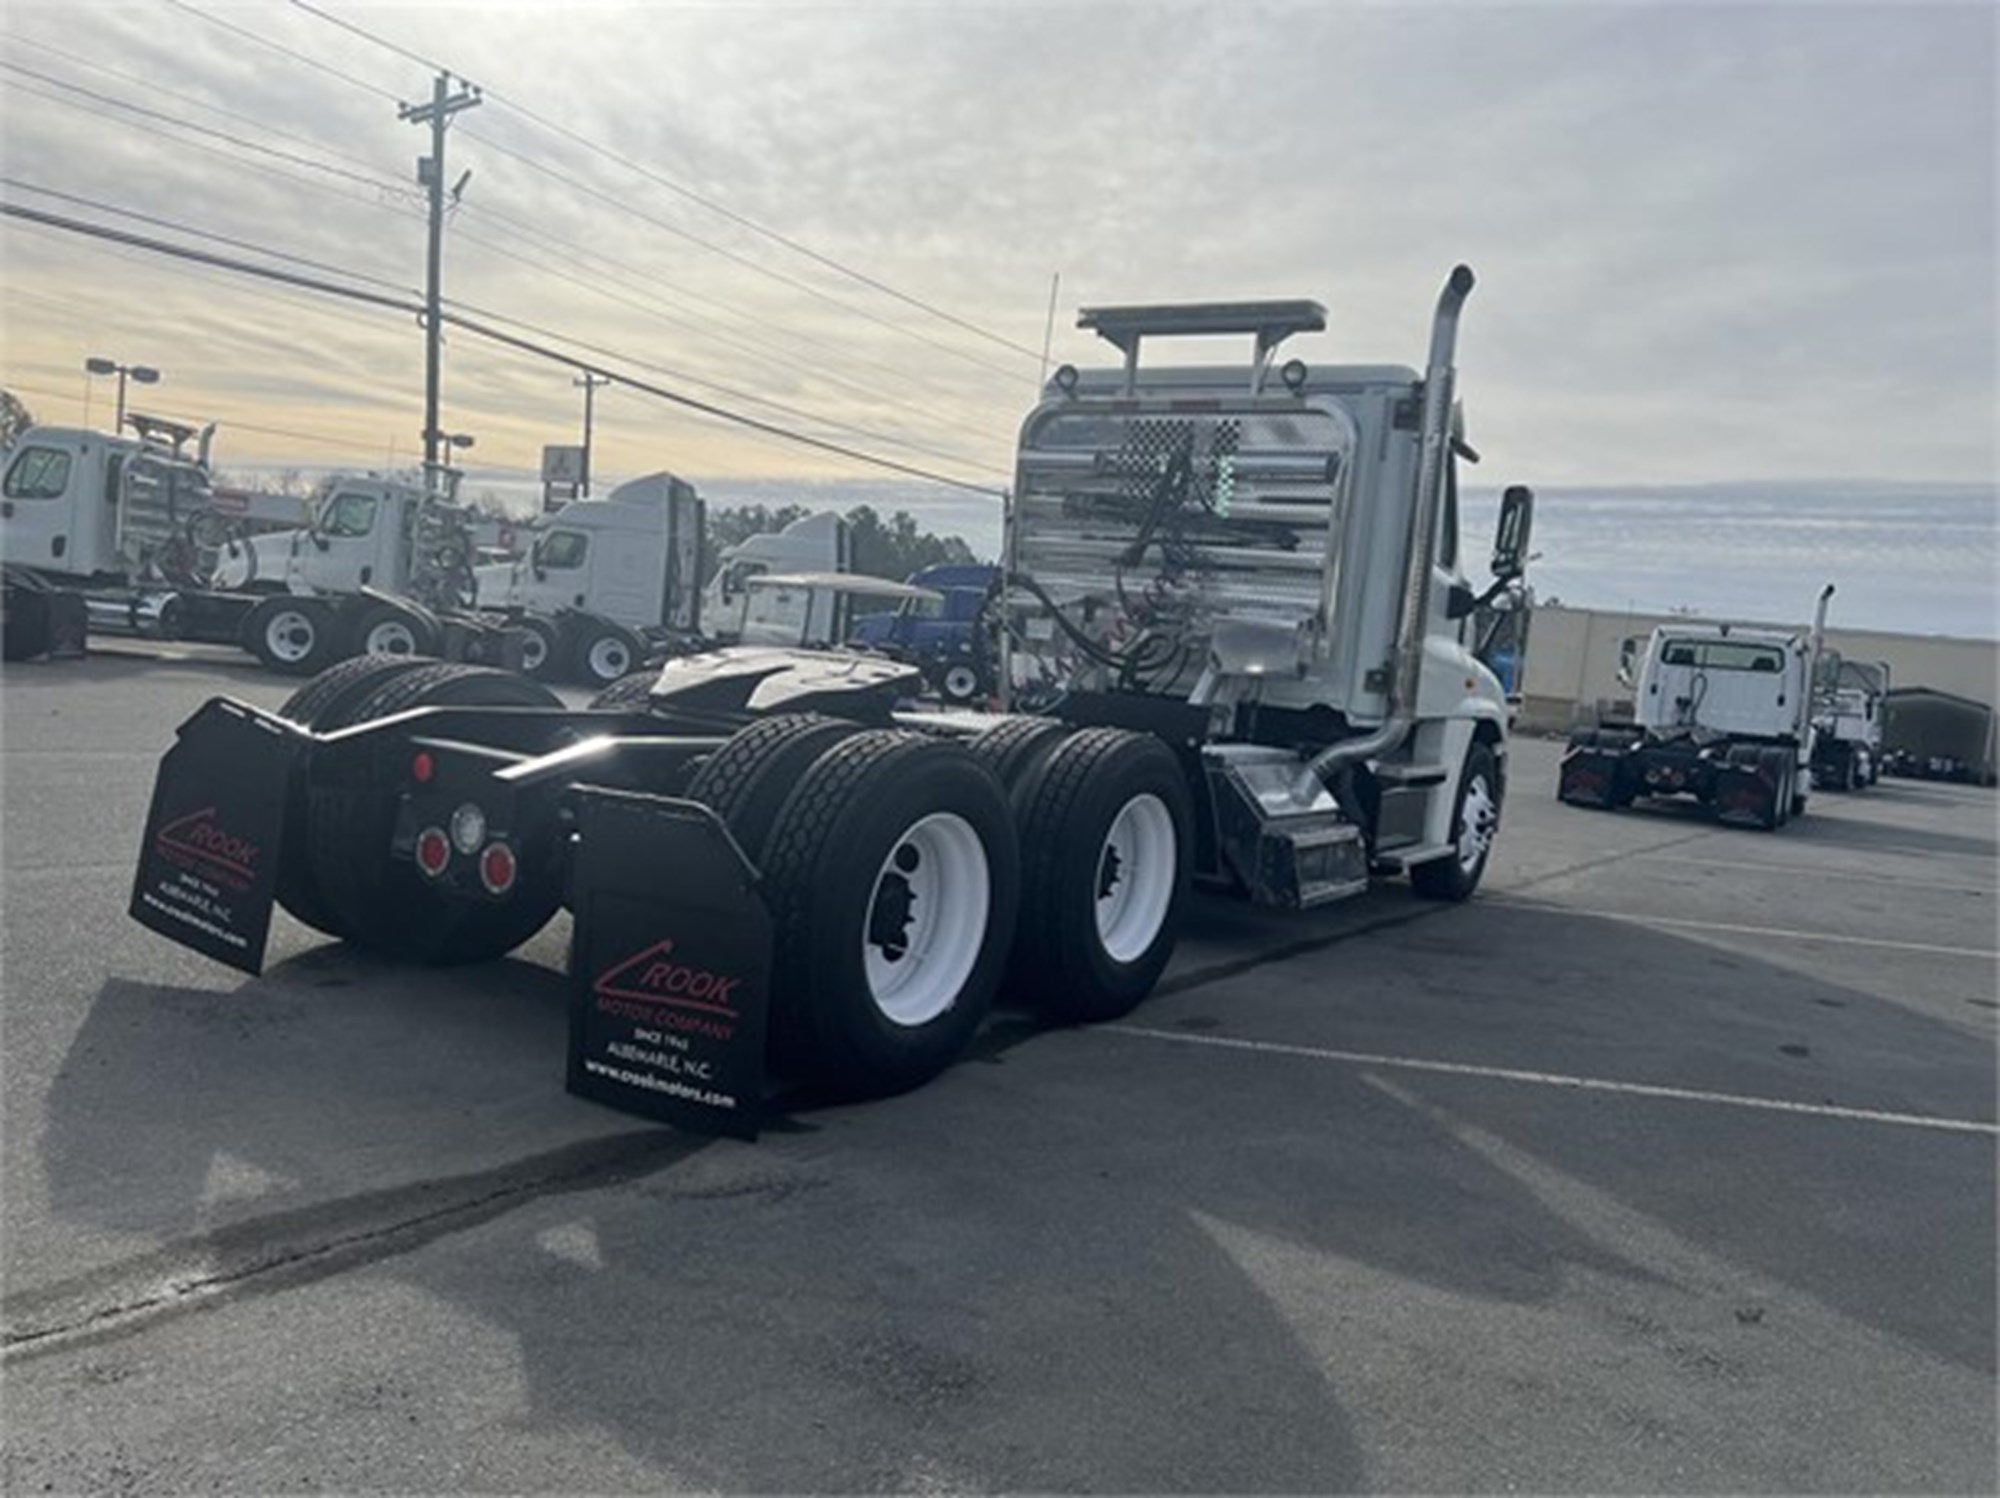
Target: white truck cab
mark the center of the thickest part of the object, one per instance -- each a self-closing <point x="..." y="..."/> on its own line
<point x="631" y="557"/>
<point x="818" y="542"/>
<point x="360" y="533"/>
<point x="85" y="505"/>
<point x="1266" y="561"/>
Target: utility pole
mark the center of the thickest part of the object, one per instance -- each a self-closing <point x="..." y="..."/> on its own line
<point x="430" y="174"/>
<point x="588" y="384"/>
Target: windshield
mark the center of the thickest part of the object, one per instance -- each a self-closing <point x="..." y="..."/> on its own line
<point x="1723" y="655"/>
<point x="776" y="615"/>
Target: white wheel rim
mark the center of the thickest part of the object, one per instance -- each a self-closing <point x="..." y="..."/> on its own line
<point x="534" y="650"/>
<point x="391" y="637"/>
<point x="609" y="659"/>
<point x="960" y="682"/>
<point x="1481" y="817"/>
<point x="290" y="635"/>
<point x="1135" y="877"/>
<point x="926" y="920"/>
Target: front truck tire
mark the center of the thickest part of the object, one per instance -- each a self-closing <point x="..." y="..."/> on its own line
<point x="541" y="648"/>
<point x="1106" y="845"/>
<point x="380" y="902"/>
<point x="893" y="879"/>
<point x="1475" y="817"/>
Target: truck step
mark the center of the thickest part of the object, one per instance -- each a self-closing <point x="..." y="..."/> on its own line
<point x="1410" y="776"/>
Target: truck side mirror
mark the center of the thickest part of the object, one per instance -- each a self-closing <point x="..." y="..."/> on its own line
<point x="1511" y="533"/>
<point x="1459" y="601"/>
<point x="1628" y="660"/>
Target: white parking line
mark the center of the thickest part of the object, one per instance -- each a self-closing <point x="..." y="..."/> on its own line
<point x="1799" y="869"/>
<point x="1560" y="1079"/>
<point x="1735" y="930"/>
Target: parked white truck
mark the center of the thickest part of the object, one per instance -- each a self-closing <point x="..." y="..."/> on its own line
<point x="1722" y="713"/>
<point x="1847" y="723"/>
<point x="1243" y="590"/>
<point x="606" y="582"/>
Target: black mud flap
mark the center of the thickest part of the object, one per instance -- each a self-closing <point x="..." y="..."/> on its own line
<point x="670" y="970"/>
<point x="208" y="869"/>
<point x="1742" y="796"/>
<point x="1590" y="777"/>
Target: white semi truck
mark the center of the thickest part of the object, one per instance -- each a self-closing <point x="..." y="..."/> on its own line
<point x="1239" y="588"/>
<point x="129" y="526"/>
<point x="1722" y="713"/>
<point x="1847" y="723"/>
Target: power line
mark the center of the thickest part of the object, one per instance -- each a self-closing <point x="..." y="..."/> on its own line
<point x="722" y="210"/>
<point x="732" y="256"/>
<point x="778" y="359"/>
<point x="482" y="330"/>
<point x="279" y="47"/>
<point x="153" y="88"/>
<point x="393" y="191"/>
<point x="235" y="140"/>
<point x="615" y="203"/>
<point x="166" y="223"/>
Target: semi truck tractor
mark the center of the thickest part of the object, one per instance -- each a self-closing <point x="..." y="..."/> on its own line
<point x="1243" y="583"/>
<point x="121" y="525"/>
<point x="603" y="580"/>
<point x="1847" y="723"/>
<point x="130" y="526"/>
<point x="944" y="633"/>
<point x="1723" y="713"/>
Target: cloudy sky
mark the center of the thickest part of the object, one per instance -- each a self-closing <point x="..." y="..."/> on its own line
<point x="1718" y="244"/>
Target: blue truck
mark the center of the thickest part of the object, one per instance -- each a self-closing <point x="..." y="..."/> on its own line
<point x="945" y="640"/>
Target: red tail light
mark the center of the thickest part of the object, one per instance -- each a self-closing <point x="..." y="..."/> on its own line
<point x="433" y="851"/>
<point x="422" y="767"/>
<point x="498" y="868"/>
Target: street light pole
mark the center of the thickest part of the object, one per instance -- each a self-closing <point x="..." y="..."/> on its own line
<point x="144" y="374"/>
<point x="588" y="384"/>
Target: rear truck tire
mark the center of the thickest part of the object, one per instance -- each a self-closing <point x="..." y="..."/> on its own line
<point x="893" y="879"/>
<point x="383" y="629"/>
<point x="1106" y="849"/>
<point x="381" y="902"/>
<point x="541" y="648"/>
<point x="291" y="634"/>
<point x="602" y="652"/>
<point x="628" y="692"/>
<point x="748" y="779"/>
<point x="1475" y="818"/>
<point x="319" y="703"/>
<point x="1776" y="766"/>
<point x="323" y="704"/>
<point x="1014" y="747"/>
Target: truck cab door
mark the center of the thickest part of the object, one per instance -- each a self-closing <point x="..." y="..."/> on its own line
<point x="342" y="552"/>
<point x="559" y="571"/>
<point x="42" y="496"/>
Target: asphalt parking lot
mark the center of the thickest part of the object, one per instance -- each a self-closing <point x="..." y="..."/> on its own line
<point x="1668" y="1164"/>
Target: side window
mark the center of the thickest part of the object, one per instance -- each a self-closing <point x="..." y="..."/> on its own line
<point x="114" y="474"/>
<point x="562" y="550"/>
<point x="737" y="578"/>
<point x="349" y="515"/>
<point x="38" y="473"/>
<point x="1447" y="533"/>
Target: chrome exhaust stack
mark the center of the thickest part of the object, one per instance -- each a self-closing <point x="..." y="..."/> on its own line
<point x="1440" y="380"/>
